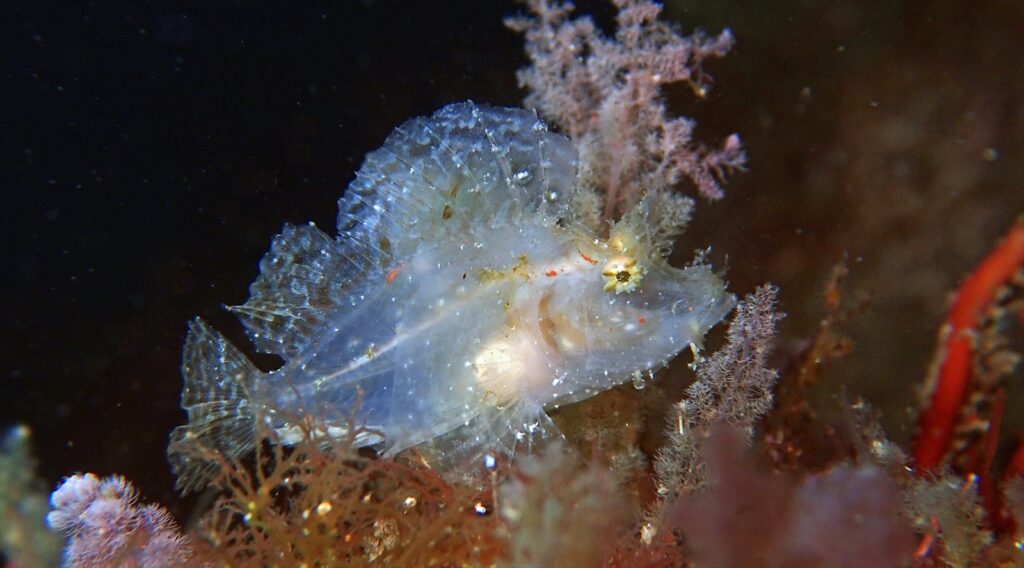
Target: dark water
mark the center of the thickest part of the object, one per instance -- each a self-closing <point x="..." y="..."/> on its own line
<point x="151" y="150"/>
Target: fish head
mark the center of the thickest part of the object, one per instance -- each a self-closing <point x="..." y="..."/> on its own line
<point x="620" y="314"/>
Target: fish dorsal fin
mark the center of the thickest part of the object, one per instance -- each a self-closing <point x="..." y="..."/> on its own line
<point x="464" y="169"/>
<point x="304" y="278"/>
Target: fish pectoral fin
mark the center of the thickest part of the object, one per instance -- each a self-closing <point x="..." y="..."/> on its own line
<point x="498" y="432"/>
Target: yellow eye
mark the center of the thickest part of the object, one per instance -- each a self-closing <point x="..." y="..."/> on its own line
<point x="622" y="274"/>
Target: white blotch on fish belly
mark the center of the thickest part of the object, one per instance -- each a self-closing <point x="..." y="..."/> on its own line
<point x="460" y="298"/>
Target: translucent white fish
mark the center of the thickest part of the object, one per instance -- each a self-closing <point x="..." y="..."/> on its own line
<point x="460" y="299"/>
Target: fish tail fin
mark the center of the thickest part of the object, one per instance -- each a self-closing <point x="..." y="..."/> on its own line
<point x="219" y="381"/>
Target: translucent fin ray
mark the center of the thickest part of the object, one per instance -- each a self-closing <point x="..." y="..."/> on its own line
<point x="522" y="428"/>
<point x="218" y="384"/>
<point x="304" y="277"/>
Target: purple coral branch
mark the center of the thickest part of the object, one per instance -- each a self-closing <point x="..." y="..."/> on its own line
<point x="605" y="93"/>
<point x="106" y="527"/>
<point x="734" y="386"/>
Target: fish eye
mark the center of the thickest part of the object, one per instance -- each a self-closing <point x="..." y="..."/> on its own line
<point x="623" y="274"/>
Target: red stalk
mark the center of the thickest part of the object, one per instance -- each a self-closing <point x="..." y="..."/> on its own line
<point x="936" y="422"/>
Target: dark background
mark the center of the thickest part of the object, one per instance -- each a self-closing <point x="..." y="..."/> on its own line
<point x="150" y="151"/>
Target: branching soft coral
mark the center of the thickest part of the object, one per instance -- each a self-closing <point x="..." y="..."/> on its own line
<point x="733" y="386"/>
<point x="107" y="528"/>
<point x="605" y="93"/>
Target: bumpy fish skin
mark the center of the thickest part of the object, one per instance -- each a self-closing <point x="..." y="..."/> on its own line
<point x="459" y="300"/>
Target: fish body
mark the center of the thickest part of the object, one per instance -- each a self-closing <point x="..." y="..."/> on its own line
<point x="461" y="297"/>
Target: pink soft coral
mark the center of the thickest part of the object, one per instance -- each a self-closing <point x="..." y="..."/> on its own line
<point x="108" y="528"/>
<point x="605" y="93"/>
